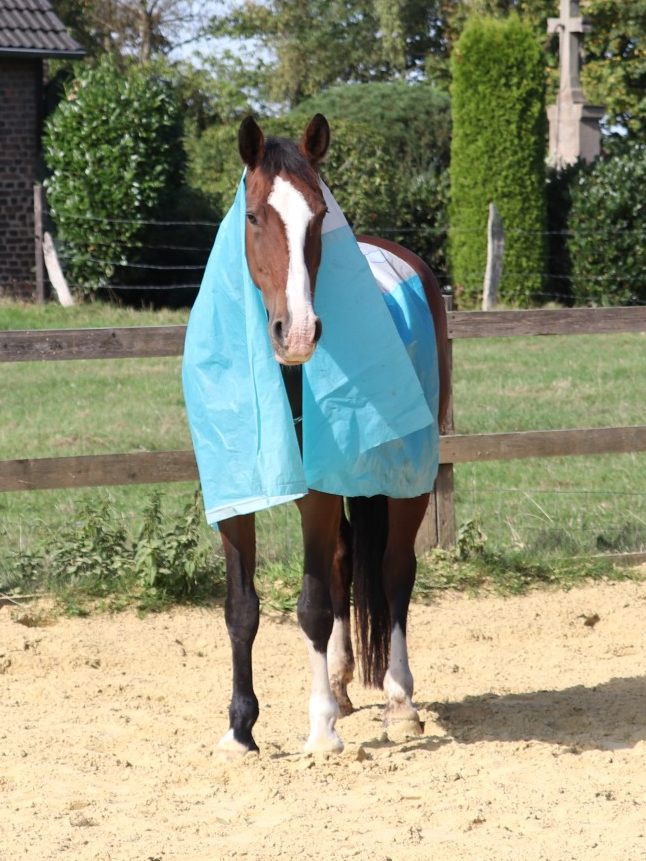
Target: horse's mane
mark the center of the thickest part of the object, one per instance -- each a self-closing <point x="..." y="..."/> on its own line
<point x="282" y="154"/>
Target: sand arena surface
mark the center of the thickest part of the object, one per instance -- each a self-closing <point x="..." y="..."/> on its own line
<point x="534" y="745"/>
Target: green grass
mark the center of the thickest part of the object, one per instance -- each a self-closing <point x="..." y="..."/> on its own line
<point x="541" y="518"/>
<point x="553" y="506"/>
<point x="90" y="314"/>
<point x="54" y="409"/>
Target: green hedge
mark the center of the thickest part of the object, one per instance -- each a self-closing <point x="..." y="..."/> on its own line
<point x="115" y="155"/>
<point x="497" y="154"/>
<point x="414" y="120"/>
<point x="387" y="165"/>
<point x="607" y="229"/>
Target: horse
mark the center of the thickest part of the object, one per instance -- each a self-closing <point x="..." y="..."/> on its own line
<point x="372" y="547"/>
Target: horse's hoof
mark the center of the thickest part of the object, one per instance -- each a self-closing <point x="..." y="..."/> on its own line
<point x="402" y="721"/>
<point x="324" y="744"/>
<point x="403" y="729"/>
<point x="343" y="701"/>
<point x="230" y="748"/>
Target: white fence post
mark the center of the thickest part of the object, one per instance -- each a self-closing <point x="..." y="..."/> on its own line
<point x="55" y="272"/>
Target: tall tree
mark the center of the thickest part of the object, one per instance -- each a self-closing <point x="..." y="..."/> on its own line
<point x="311" y="46"/>
<point x="132" y="28"/>
<point x="614" y="74"/>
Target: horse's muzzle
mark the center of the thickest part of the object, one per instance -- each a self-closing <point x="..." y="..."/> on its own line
<point x="296" y="345"/>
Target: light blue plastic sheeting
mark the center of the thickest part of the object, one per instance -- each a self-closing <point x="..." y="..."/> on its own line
<point x="406" y="466"/>
<point x="360" y="390"/>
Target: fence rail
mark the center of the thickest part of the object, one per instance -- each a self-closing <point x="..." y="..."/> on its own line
<point x="562" y="321"/>
<point x="171" y="466"/>
<point x="134" y="342"/>
<point x="158" y="467"/>
<point x="130" y="342"/>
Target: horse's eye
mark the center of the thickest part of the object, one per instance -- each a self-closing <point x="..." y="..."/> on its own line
<point x="252" y="218"/>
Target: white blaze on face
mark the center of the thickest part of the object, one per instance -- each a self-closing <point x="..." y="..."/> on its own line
<point x="295" y="214"/>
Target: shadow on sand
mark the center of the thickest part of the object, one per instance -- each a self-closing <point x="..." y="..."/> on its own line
<point x="608" y="716"/>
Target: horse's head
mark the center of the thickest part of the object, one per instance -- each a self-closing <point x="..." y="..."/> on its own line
<point x="285" y="211"/>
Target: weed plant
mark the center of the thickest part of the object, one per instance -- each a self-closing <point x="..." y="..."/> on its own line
<point x="96" y="559"/>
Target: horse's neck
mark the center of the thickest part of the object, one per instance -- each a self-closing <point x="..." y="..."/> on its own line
<point x="293" y="380"/>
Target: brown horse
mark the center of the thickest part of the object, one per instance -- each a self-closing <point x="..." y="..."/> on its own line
<point x="373" y="547"/>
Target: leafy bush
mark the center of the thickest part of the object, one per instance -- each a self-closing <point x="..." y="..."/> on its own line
<point x="387" y="164"/>
<point x="414" y="120"/>
<point x="114" y="150"/>
<point x="355" y="168"/>
<point x="497" y="155"/>
<point x="558" y="284"/>
<point x="607" y="227"/>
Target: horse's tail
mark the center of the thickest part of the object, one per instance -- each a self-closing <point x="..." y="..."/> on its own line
<point x="369" y="521"/>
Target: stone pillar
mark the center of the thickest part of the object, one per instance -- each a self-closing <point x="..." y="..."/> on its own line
<point x="574" y="132"/>
<point x="574" y="125"/>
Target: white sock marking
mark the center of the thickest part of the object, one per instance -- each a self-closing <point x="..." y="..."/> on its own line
<point x="323" y="708"/>
<point x="398" y="682"/>
<point x="295" y="214"/>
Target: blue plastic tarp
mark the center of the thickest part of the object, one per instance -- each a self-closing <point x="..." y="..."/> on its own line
<point x="368" y="414"/>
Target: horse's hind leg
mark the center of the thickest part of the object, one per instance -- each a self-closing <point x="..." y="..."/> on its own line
<point x="320" y="516"/>
<point x="399" y="567"/>
<point x="242" y="614"/>
<point x="340" y="657"/>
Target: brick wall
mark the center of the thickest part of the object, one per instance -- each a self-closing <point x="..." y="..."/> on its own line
<point x="20" y="111"/>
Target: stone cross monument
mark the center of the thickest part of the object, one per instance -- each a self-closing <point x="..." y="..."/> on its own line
<point x="574" y="125"/>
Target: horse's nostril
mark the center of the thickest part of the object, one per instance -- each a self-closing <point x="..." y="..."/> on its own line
<point x="277" y="331"/>
<point x="318" y="330"/>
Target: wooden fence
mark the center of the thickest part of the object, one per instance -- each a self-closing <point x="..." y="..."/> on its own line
<point x="168" y="466"/>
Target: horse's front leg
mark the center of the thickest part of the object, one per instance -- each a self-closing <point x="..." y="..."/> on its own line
<point x="320" y="518"/>
<point x="399" y="567"/>
<point x="242" y="614"/>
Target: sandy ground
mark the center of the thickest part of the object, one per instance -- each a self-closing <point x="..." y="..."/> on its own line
<point x="534" y="745"/>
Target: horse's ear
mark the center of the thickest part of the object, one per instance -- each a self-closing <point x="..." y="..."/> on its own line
<point x="316" y="140"/>
<point x="251" y="142"/>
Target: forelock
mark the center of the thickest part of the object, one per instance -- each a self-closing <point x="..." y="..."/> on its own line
<point x="283" y="155"/>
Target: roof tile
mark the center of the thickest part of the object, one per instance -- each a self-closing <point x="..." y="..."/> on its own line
<point x="32" y="27"/>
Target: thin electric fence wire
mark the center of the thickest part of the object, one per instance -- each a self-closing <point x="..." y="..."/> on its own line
<point x="559" y="492"/>
<point x="136" y="287"/>
<point x="140" y="222"/>
<point x="439" y="230"/>
<point x="125" y="264"/>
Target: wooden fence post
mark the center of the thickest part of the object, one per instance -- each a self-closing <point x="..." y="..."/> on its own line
<point x="495" y="252"/>
<point x="427" y="535"/>
<point x="438" y="526"/>
<point x="38" y="243"/>
<point x="444" y="501"/>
